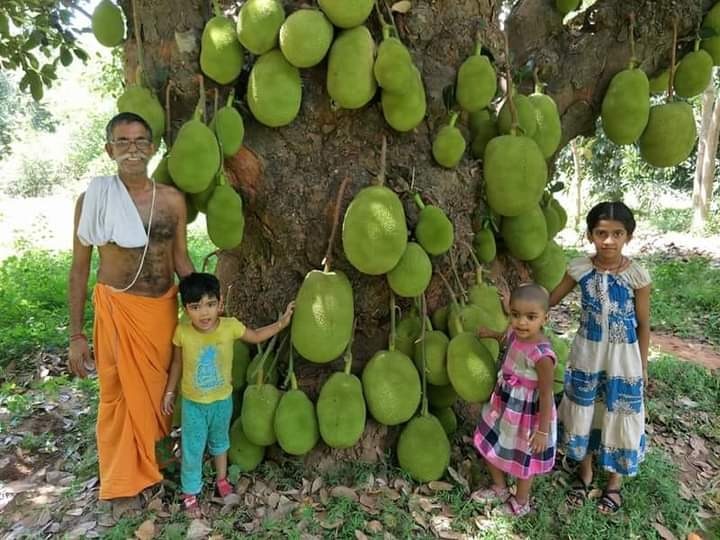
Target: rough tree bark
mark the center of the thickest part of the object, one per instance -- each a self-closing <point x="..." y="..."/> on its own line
<point x="288" y="206"/>
<point x="706" y="157"/>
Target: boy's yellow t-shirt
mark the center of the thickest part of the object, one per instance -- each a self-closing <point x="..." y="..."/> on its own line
<point x="207" y="359"/>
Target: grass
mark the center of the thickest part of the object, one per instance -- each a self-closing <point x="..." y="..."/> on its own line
<point x="678" y="220"/>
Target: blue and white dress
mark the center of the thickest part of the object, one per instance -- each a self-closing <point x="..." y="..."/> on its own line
<point x="602" y="409"/>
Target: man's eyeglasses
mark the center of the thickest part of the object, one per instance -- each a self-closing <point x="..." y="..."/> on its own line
<point x="124" y="144"/>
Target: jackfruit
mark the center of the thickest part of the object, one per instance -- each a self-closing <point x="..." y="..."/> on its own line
<point x="407" y="331"/>
<point x="561" y="348"/>
<point x="525" y="235"/>
<point x="434" y="231"/>
<point x="346" y="13"/>
<point x="552" y="220"/>
<point x="526" y="116"/>
<point x="191" y="210"/>
<point x="712" y="44"/>
<point x="296" y="425"/>
<point x="350" y="78"/>
<point x="626" y="106"/>
<point x="484" y="245"/>
<point x="258" y="25"/>
<point x="670" y="135"/>
<point x="423" y="449"/>
<point x="447" y="418"/>
<point x="693" y="74"/>
<point x="270" y="373"/>
<point x="392" y="387"/>
<point x="221" y="55"/>
<point x="260" y="402"/>
<point x="487" y="298"/>
<point x="200" y="200"/>
<point x="449" y="145"/>
<point x="411" y="275"/>
<point x="436" y="343"/>
<point x="241" y="359"/>
<point x="566" y="6"/>
<point x="305" y="37"/>
<point x="374" y="232"/>
<point x="242" y="453"/>
<point x="341" y="410"/>
<point x="161" y="174"/>
<point x="404" y="111"/>
<point x="476" y="82"/>
<point x="108" y="24"/>
<point x="562" y="214"/>
<point x="483" y="127"/>
<point x="274" y="90"/>
<point x="225" y="220"/>
<point x="515" y="174"/>
<point x="440" y="318"/>
<point x="141" y="101"/>
<point x="323" y="318"/>
<point x="549" y="130"/>
<point x="471" y="368"/>
<point x="549" y="268"/>
<point x="659" y="83"/>
<point x="229" y="127"/>
<point x="441" y="396"/>
<point x="393" y="66"/>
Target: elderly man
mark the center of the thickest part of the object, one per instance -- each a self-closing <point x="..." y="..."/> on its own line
<point x="138" y="227"/>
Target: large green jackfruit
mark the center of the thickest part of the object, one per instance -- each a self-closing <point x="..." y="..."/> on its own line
<point x="241" y="359"/>
<point x="411" y="275"/>
<point x="392" y="387"/>
<point x="693" y="73"/>
<point x="441" y="396"/>
<point x="393" y="66"/>
<point x="526" y="116"/>
<point x="296" y="425"/>
<point x="243" y="453"/>
<point x="449" y="145"/>
<point x="423" y="449"/>
<point x="221" y="55"/>
<point x="260" y="402"/>
<point x="626" y="106"/>
<point x="258" y="25"/>
<point x="476" y="83"/>
<point x="566" y="6"/>
<point x="108" y="24"/>
<point x="404" y="111"/>
<point x="350" y="78"/>
<point x="341" y="411"/>
<point x="525" y="235"/>
<point x="549" y="129"/>
<point x="141" y="101"/>
<point x="225" y="219"/>
<point x="434" y="231"/>
<point x="436" y="343"/>
<point x="483" y="127"/>
<point x="374" y="232"/>
<point x="274" y="90"/>
<point x="346" y="13"/>
<point x="669" y="136"/>
<point x="549" y="268"/>
<point x="515" y="174"/>
<point x="229" y="127"/>
<point x="194" y="159"/>
<point x="484" y="245"/>
<point x="471" y="368"/>
<point x="323" y="318"/>
<point x="305" y="37"/>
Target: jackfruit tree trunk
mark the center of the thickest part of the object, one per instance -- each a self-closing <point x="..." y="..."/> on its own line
<point x="289" y="176"/>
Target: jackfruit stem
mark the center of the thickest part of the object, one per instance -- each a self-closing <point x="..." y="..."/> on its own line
<point x="199" y="113"/>
<point x="138" y="41"/>
<point x="393" y="334"/>
<point x="206" y="260"/>
<point x="168" y="116"/>
<point x="291" y="368"/>
<point x="216" y="102"/>
<point x="380" y="178"/>
<point x="336" y="219"/>
<point x="539" y="86"/>
<point x="418" y="200"/>
<point x="293" y="381"/>
<point x="514" y="125"/>
<point x="348" y="350"/>
<point x="260" y="375"/>
<point x="478" y="265"/>
<point x="453" y="119"/>
<point x="633" y="58"/>
<point x="231" y="98"/>
<point x="386" y="28"/>
<point x="672" y="61"/>
<point x="216" y="8"/>
<point x="453" y="265"/>
<point x="423" y="304"/>
<point x="478" y="48"/>
<point x="451" y="292"/>
<point x="276" y="357"/>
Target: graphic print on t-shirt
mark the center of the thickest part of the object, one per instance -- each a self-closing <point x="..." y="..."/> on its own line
<point x="207" y="376"/>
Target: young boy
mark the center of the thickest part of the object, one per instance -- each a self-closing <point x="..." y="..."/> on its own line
<point x="202" y="358"/>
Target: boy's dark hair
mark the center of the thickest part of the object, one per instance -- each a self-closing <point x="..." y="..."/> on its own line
<point x="196" y="285"/>
<point x="126" y="118"/>
<point x="613" y="211"/>
<point x="532" y="292"/>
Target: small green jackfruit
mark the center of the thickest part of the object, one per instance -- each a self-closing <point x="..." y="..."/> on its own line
<point x="669" y="136"/>
<point x="712" y="44"/>
<point x="221" y="55"/>
<point x="260" y="402"/>
<point x="626" y="106"/>
<point x="476" y="83"/>
<point x="483" y="127"/>
<point x="141" y="101"/>
<point x="108" y="24"/>
<point x="449" y="145"/>
<point x="393" y="66"/>
<point x="225" y="220"/>
<point x="549" y="268"/>
<point x="374" y="232"/>
<point x="407" y="330"/>
<point x="447" y="418"/>
<point x="471" y="368"/>
<point x="194" y="159"/>
<point x="392" y="387"/>
<point x="246" y="455"/>
<point x="484" y="245"/>
<point x="341" y="411"/>
<point x="346" y="13"/>
<point x="305" y="37"/>
<point x="659" y="83"/>
<point x="423" y="449"/>
<point x="693" y="73"/>
<point x="191" y="210"/>
<point x="434" y="231"/>
<point x="549" y="130"/>
<point x="561" y="348"/>
<point x="526" y="116"/>
<point x="200" y="200"/>
<point x="229" y="127"/>
<point x="552" y="220"/>
<point x="404" y="111"/>
<point x="441" y="396"/>
<point x="566" y="6"/>
<point x="258" y="25"/>
<point x="241" y="359"/>
<point x="411" y="275"/>
<point x="562" y="214"/>
<point x="274" y="90"/>
<point x="525" y="235"/>
<point x="296" y="425"/>
<point x="436" y="343"/>
<point x="161" y="174"/>
<point x="350" y="78"/>
<point x="440" y="319"/>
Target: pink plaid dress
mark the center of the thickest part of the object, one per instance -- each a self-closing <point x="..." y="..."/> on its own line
<point x="512" y="414"/>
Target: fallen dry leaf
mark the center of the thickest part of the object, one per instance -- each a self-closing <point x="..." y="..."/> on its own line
<point x="374" y="526"/>
<point x="316" y="485"/>
<point x="436" y="485"/>
<point x="359" y="535"/>
<point x="242" y="485"/>
<point x="155" y="505"/>
<point x="146" y="530"/>
<point x="197" y="530"/>
<point x="663" y="531"/>
<point x="344" y="491"/>
<point x="403" y="6"/>
<point x="460" y="479"/>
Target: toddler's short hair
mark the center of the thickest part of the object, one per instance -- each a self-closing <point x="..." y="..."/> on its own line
<point x="532" y="292"/>
<point x="196" y="285"/>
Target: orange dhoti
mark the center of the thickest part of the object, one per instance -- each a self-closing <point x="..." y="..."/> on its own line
<point x="133" y="348"/>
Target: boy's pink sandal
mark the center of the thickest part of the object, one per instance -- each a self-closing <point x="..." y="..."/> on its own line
<point x="490" y="495"/>
<point x="191" y="506"/>
<point x="224" y="488"/>
<point x="513" y="508"/>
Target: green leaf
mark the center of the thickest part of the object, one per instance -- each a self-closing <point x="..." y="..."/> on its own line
<point x="66" y="56"/>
